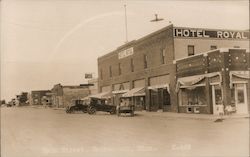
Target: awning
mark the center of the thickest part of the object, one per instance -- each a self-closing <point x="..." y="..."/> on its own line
<point x="140" y="91"/>
<point x="194" y="80"/>
<point x="239" y="74"/>
<point x="104" y="95"/>
<point x="120" y="91"/>
<point x="191" y="80"/>
<point x="159" y="86"/>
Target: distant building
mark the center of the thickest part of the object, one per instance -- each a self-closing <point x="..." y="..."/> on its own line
<point x="22" y="99"/>
<point x="93" y="86"/>
<point x="62" y="96"/>
<point x="37" y="96"/>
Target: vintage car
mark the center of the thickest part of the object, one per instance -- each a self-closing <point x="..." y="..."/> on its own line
<point x="97" y="104"/>
<point x="77" y="105"/>
<point x="125" y="107"/>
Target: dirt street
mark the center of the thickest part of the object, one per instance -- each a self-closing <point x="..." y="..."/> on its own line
<point x="37" y="132"/>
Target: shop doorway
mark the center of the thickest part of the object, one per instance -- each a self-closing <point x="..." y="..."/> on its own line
<point x="240" y="96"/>
<point x="218" y="108"/>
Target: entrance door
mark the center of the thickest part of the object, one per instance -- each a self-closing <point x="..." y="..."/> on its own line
<point x="217" y="100"/>
<point x="241" y="98"/>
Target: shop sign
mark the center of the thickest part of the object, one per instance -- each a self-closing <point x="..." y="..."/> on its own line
<point x="203" y="33"/>
<point x="126" y="53"/>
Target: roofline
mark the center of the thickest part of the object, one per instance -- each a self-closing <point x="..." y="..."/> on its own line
<point x="213" y="29"/>
<point x="119" y="48"/>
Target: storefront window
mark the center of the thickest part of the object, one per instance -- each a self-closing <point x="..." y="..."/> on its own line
<point x="193" y="96"/>
<point x="218" y="95"/>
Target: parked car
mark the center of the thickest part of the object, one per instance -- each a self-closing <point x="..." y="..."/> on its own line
<point x="125" y="108"/>
<point x="100" y="105"/>
<point x="77" y="105"/>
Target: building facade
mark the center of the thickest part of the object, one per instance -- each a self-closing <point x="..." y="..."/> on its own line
<point x="62" y="96"/>
<point x="36" y="97"/>
<point x="216" y="82"/>
<point x="145" y="68"/>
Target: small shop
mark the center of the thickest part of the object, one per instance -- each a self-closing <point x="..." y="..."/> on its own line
<point x="159" y="92"/>
<point x="136" y="97"/>
<point x="194" y="93"/>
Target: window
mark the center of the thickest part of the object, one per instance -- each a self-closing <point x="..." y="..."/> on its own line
<point x="119" y="69"/>
<point x="236" y="46"/>
<point x="145" y="61"/>
<point x="213" y="47"/>
<point x="190" y="50"/>
<point x="163" y="54"/>
<point x="110" y="71"/>
<point x="132" y="65"/>
<point x="193" y="96"/>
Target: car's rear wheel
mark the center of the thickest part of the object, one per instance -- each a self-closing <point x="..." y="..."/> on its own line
<point x="132" y="114"/>
<point x="92" y="110"/>
<point x="112" y="111"/>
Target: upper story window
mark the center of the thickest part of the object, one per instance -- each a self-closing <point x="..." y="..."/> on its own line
<point x="132" y="64"/>
<point x="163" y="54"/>
<point x="145" y="61"/>
<point x="213" y="47"/>
<point x="110" y="71"/>
<point x="190" y="50"/>
<point x="236" y="46"/>
<point x="119" y="69"/>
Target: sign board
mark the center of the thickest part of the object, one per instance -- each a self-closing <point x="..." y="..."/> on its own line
<point x="205" y="33"/>
<point x="88" y="75"/>
<point x="126" y="53"/>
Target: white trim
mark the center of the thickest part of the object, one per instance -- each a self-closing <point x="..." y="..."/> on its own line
<point x="119" y="91"/>
<point x="215" y="83"/>
<point x="197" y="85"/>
<point x="235" y="82"/>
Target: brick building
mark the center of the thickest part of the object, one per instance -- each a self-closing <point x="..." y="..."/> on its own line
<point x="214" y="82"/>
<point x="63" y="95"/>
<point x="144" y="70"/>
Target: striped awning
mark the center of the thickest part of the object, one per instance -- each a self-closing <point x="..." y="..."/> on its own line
<point x="159" y="86"/>
<point x="120" y="91"/>
<point x="104" y="95"/>
<point x="140" y="91"/>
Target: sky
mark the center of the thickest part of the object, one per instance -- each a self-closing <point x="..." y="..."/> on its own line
<point x="46" y="42"/>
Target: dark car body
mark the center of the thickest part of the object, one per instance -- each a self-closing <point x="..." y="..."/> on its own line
<point x="100" y="105"/>
<point x="77" y="105"/>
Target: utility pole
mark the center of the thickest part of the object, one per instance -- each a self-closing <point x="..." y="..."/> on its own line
<point x="126" y="26"/>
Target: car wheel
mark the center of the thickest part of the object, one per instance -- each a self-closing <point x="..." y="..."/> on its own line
<point x="132" y="113"/>
<point x="92" y="110"/>
<point x="112" y="111"/>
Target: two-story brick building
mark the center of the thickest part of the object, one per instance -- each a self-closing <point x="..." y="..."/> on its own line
<point x="144" y="70"/>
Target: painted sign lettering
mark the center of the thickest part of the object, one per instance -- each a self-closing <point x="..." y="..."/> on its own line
<point x="126" y="53"/>
<point x="203" y="33"/>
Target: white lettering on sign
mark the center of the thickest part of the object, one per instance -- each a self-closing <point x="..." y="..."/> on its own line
<point x="190" y="33"/>
<point x="200" y="33"/>
<point x="228" y="34"/>
<point x="126" y="53"/>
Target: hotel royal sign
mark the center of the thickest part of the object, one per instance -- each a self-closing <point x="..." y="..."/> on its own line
<point x="203" y="33"/>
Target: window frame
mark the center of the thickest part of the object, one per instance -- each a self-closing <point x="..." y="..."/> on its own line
<point x="189" y="52"/>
